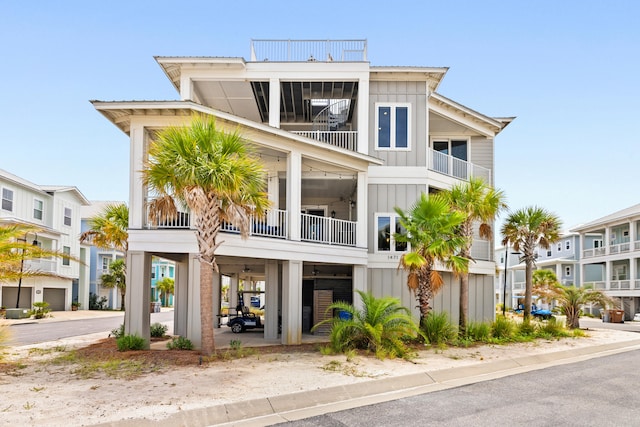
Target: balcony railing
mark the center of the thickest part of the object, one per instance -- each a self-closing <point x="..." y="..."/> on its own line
<point x="44" y="265"/>
<point x="620" y="284"/>
<point x="457" y="168"/>
<point x="588" y="253"/>
<point x="328" y="230"/>
<point x="273" y="224"/>
<point x="309" y="50"/>
<point x="481" y="250"/>
<point x="619" y="248"/>
<point x="343" y="139"/>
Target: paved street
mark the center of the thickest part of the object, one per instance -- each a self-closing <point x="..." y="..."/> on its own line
<point x="597" y="392"/>
<point x="25" y="333"/>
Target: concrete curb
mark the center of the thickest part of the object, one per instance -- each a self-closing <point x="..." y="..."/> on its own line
<point x="294" y="406"/>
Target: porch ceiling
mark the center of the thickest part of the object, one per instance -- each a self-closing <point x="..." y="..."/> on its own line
<point x="251" y="99"/>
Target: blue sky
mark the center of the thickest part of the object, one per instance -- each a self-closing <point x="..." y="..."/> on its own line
<point x="568" y="70"/>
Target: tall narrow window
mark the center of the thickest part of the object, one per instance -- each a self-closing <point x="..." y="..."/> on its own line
<point x="567" y="271"/>
<point x="388" y="225"/>
<point x="38" y="207"/>
<point x="67" y="251"/>
<point x="393" y="126"/>
<point x="67" y="216"/>
<point x="7" y="199"/>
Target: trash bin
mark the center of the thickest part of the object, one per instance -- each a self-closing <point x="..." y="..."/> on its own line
<point x="616" y="316"/>
<point x="155" y="307"/>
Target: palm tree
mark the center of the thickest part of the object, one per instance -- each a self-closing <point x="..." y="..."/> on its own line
<point x="116" y="278"/>
<point x="166" y="286"/>
<point x="108" y="229"/>
<point x="526" y="229"/>
<point x="214" y="174"/>
<point x="570" y="298"/>
<point x="478" y="203"/>
<point x="15" y="250"/>
<point x="380" y="326"/>
<point x="430" y="228"/>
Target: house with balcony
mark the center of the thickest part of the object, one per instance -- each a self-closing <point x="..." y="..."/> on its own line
<point x="563" y="258"/>
<point x="55" y="211"/>
<point x="343" y="142"/>
<point x="611" y="254"/>
<point x="100" y="259"/>
<point x="161" y="268"/>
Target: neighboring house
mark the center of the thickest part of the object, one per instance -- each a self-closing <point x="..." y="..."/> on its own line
<point x="563" y="258"/>
<point x="161" y="268"/>
<point x="56" y="211"/>
<point x="100" y="258"/>
<point x="610" y="256"/>
<point x="344" y="143"/>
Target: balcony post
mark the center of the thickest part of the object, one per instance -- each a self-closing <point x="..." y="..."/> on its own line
<point x="294" y="185"/>
<point x="274" y="102"/>
<point x="361" y="210"/>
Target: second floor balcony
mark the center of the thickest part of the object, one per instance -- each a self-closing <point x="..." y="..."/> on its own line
<point x="275" y="224"/>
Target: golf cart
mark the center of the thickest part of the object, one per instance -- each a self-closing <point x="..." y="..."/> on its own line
<point x="243" y="319"/>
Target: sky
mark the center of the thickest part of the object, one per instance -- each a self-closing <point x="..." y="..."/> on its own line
<point x="567" y="70"/>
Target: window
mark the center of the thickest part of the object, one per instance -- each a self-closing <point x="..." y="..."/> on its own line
<point x="7" y="200"/>
<point x="106" y="262"/>
<point x="625" y="234"/>
<point x="386" y="242"/>
<point x="67" y="251"/>
<point x="67" y="216"/>
<point x="567" y="271"/>
<point x="559" y="247"/>
<point x="38" y="207"/>
<point x="393" y="125"/>
<point x="549" y="252"/>
<point x="567" y="245"/>
<point x="597" y="244"/>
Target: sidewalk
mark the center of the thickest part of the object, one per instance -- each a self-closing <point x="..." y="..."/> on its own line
<point x="296" y="406"/>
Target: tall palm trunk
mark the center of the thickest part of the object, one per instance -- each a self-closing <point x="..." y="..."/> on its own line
<point x="206" y="308"/>
<point x="425" y="291"/>
<point x="528" y="286"/>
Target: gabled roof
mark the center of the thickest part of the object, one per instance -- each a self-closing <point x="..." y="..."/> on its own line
<point x="486" y="125"/>
<point x="66" y="188"/>
<point x="43" y="189"/>
<point x="624" y="214"/>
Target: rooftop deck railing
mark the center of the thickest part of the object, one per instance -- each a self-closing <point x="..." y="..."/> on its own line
<point x="309" y="50"/>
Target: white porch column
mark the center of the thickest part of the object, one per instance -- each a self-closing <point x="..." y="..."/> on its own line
<point x="186" y="87"/>
<point x="271" y="299"/>
<point x="607" y="241"/>
<point x="363" y="115"/>
<point x="607" y="274"/>
<point x="291" y="302"/>
<point x="233" y="291"/>
<point x="274" y="103"/>
<point x="359" y="284"/>
<point x="361" y="210"/>
<point x="294" y="198"/>
<point x="137" y="193"/>
<point x="217" y="281"/>
<point x="181" y="298"/>
<point x="194" y="331"/>
<point x="138" y="295"/>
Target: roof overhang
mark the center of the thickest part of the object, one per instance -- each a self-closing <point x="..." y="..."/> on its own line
<point x="121" y="113"/>
<point x="172" y="65"/>
<point x="431" y="75"/>
<point x="467" y="117"/>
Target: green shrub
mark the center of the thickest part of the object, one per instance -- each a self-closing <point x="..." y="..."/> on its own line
<point x="130" y="342"/>
<point x="478" y="332"/>
<point x="552" y="328"/>
<point x="40" y="309"/>
<point x="180" y="343"/>
<point x="381" y="326"/>
<point x="438" y="329"/>
<point x="503" y="328"/>
<point x="117" y="332"/>
<point x="158" y="330"/>
<point x="527" y="328"/>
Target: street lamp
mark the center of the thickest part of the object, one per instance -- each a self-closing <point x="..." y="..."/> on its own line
<point x="34" y="243"/>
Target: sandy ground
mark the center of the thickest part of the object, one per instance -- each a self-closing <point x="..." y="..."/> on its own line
<point x="40" y="392"/>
